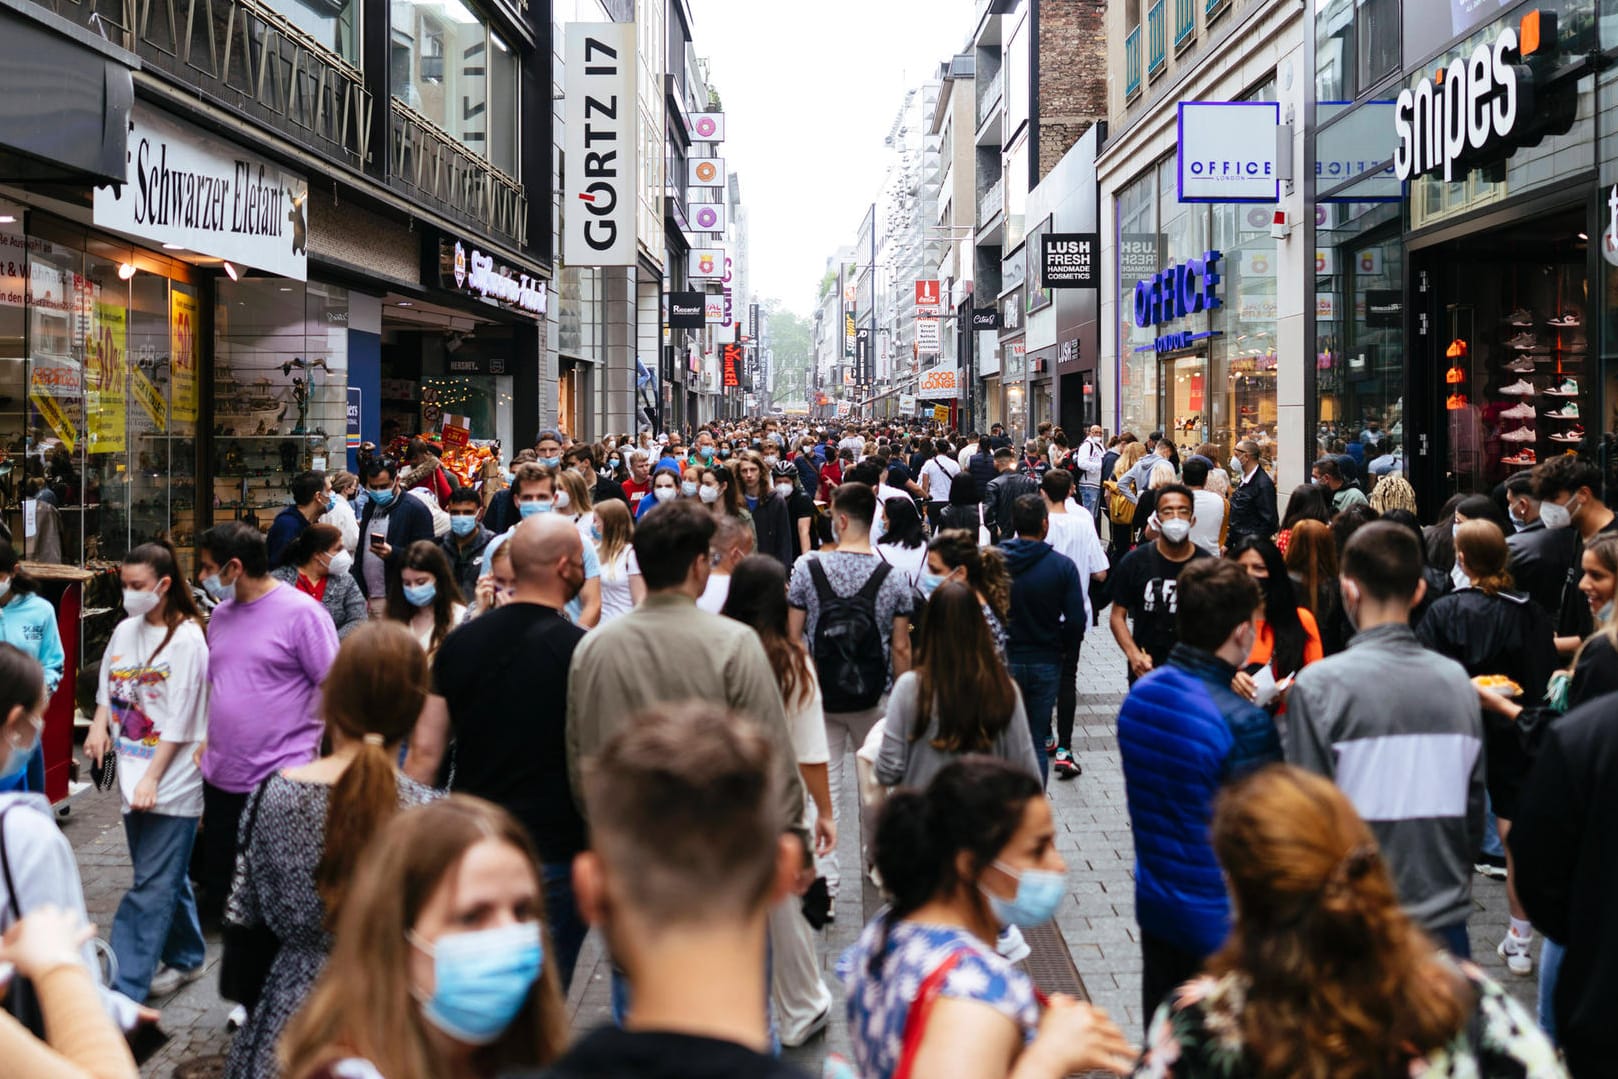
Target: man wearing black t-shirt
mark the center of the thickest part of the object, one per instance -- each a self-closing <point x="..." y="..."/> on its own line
<point x="686" y="859"/>
<point x="1144" y="584"/>
<point x="503" y="677"/>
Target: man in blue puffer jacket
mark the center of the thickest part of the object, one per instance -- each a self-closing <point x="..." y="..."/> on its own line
<point x="1183" y="733"/>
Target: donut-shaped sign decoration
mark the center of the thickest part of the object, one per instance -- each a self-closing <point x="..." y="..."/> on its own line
<point x="706" y="127"/>
<point x="707" y="218"/>
<point x="706" y="172"/>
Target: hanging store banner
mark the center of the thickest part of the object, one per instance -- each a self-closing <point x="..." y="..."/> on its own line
<point x="713" y="310"/>
<point x="705" y="262"/>
<point x="686" y="310"/>
<point x="104" y="357"/>
<point x="186" y="187"/>
<point x="927" y="336"/>
<point x="705" y="172"/>
<point x="599" y="149"/>
<point x="707" y="216"/>
<point x="1229" y="151"/>
<point x="907" y="402"/>
<point x="708" y="126"/>
<point x="731" y="359"/>
<point x="937" y="383"/>
<point x="940" y="413"/>
<point x="927" y="297"/>
<point x="150" y="399"/>
<point x="1071" y="259"/>
<point x="184" y="356"/>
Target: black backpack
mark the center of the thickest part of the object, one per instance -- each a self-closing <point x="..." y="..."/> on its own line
<point x="849" y="657"/>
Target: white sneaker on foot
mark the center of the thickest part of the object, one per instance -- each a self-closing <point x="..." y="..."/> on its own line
<point x="1514" y="950"/>
<point x="169" y="979"/>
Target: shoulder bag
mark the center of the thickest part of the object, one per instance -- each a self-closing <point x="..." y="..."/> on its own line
<point x="249" y="950"/>
<point x="916" y="1018"/>
<point x="20" y="999"/>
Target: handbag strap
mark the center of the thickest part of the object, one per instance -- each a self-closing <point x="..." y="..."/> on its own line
<point x="5" y="868"/>
<point x="916" y="1019"/>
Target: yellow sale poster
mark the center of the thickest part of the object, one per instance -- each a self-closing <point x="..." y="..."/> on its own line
<point x="184" y="356"/>
<point x="149" y="397"/>
<point x="104" y="357"/>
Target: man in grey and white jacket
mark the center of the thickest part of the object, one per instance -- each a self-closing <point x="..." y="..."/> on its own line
<point x="1399" y="730"/>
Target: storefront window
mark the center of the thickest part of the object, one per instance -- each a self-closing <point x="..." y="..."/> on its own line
<point x="1359" y="328"/>
<point x="443" y="59"/>
<point x="1356" y="45"/>
<point x="280" y="391"/>
<point x="1137" y="258"/>
<point x="1243" y="404"/>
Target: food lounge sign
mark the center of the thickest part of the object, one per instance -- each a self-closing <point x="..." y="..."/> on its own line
<point x="466" y="269"/>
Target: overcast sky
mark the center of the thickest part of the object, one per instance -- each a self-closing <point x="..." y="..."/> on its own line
<point x="810" y="91"/>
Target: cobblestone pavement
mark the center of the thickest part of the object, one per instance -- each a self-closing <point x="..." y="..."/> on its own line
<point x="1097" y="920"/>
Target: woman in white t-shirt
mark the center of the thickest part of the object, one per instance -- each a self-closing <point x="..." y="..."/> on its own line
<point x="904" y="545"/>
<point x="621" y="586"/>
<point x="152" y="704"/>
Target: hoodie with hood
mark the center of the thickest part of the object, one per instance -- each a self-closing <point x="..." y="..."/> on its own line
<point x="1047" y="601"/>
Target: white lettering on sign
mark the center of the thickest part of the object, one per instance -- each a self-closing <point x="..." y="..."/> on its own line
<point x="479" y="274"/>
<point x="600" y="145"/>
<point x="1471" y="106"/>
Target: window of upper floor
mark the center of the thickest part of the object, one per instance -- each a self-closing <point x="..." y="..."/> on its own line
<point x="448" y="65"/>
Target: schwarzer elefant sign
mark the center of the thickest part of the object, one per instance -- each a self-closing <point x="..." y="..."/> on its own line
<point x="188" y="188"/>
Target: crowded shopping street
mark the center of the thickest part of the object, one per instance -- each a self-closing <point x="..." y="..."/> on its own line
<point x="716" y="539"/>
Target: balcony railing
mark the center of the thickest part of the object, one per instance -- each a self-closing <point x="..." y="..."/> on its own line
<point x="992" y="202"/>
<point x="249" y="57"/>
<point x="1185" y="22"/>
<point x="1132" y="64"/>
<point x="1212" y="9"/>
<point x="426" y="162"/>
<point x="989" y="96"/>
<point x="1156" y="37"/>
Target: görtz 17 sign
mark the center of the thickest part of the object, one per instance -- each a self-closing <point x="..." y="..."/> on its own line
<point x="187" y="188"/>
<point x="600" y="145"/>
<point x="1229" y="150"/>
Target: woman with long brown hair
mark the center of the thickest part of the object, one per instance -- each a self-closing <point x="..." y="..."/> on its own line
<point x="958" y="699"/>
<point x="954" y="555"/>
<point x="424" y="597"/>
<point x="1323" y="975"/>
<point x="622" y="588"/>
<point x="304" y="828"/>
<point x="439" y="966"/>
<point x="1311" y="560"/>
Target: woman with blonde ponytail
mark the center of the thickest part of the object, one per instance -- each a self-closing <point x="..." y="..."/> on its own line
<point x="304" y="828"/>
<point x="1323" y="975"/>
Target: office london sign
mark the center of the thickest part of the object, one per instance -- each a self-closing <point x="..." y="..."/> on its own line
<point x="1471" y="111"/>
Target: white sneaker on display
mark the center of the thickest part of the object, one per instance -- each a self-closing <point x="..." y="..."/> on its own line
<point x="1521" y="434"/>
<point x="1524" y="411"/>
<point x="1521" y="388"/>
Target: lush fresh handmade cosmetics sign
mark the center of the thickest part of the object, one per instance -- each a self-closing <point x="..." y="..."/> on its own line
<point x="1228" y="151"/>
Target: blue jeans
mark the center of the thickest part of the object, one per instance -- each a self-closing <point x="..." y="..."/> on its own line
<point x="567" y="928"/>
<point x="1089" y="497"/>
<point x="1550" y="968"/>
<point x="1491" y="830"/>
<point x="1039" y="683"/>
<point x="157" y="919"/>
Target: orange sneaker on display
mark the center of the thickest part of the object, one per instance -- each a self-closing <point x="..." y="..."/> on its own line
<point x="1455" y="401"/>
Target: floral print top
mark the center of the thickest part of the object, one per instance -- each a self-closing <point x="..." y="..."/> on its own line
<point x="1199" y="1035"/>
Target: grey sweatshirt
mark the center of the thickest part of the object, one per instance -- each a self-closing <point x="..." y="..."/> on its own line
<point x="906" y="763"/>
<point x="1400" y="731"/>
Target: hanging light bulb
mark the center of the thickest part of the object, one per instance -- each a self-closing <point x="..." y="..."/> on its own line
<point x="231" y="270"/>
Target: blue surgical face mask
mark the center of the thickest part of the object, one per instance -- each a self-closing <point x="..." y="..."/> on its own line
<point x="480" y="980"/>
<point x="331" y="502"/>
<point x="688" y="489"/>
<point x="17" y="762"/>
<point x="528" y="509"/>
<point x="613" y="463"/>
<point x="463" y="524"/>
<point x="1604" y="615"/>
<point x="551" y="462"/>
<point x="383" y="498"/>
<point x="1039" y="893"/>
<point x="595" y="533"/>
<point x="216" y="591"/>
<point x="419" y="595"/>
<point x="929" y="582"/>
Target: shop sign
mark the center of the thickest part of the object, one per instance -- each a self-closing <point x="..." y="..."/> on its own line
<point x="354" y="412"/>
<point x="1229" y="151"/>
<point x="713" y="311"/>
<point x="985" y="318"/>
<point x="705" y="263"/>
<point x="927" y="335"/>
<point x="708" y="126"/>
<point x="1174" y="342"/>
<point x="466" y="269"/>
<point x="1011" y="310"/>
<point x="936" y="383"/>
<point x="1137" y="255"/>
<point x="1071" y="259"/>
<point x="1468" y="112"/>
<point x="600" y="144"/>
<point x="686" y="310"/>
<point x="705" y="172"/>
<point x="475" y="365"/>
<point x="1068" y="351"/>
<point x="928" y="298"/>
<point x="708" y="216"/>
<point x="187" y="188"/>
<point x="1178" y="291"/>
<point x="907" y="402"/>
<point x="731" y="358"/>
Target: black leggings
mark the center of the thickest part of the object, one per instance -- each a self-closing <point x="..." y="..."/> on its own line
<point x="1067" y="694"/>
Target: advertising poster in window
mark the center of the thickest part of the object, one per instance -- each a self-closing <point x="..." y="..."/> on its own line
<point x="183" y="361"/>
<point x="104" y="381"/>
